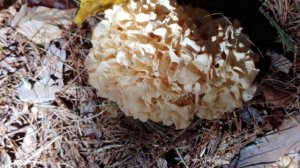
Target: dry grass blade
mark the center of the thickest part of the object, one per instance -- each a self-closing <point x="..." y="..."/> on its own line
<point x="288" y="43"/>
<point x="284" y="16"/>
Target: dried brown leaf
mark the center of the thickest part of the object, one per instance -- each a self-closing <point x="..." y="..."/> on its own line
<point x="279" y="62"/>
<point x="276" y="118"/>
<point x="276" y="97"/>
<point x="271" y="147"/>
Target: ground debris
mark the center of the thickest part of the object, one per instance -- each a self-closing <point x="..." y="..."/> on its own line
<point x="50" y="79"/>
<point x="270" y="147"/>
<point x="41" y="24"/>
<point x="279" y="62"/>
<point x="251" y="116"/>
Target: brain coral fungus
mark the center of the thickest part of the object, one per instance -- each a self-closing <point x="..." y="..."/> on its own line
<point x="168" y="63"/>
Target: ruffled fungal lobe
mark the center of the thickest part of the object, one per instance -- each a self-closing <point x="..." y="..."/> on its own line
<point x="168" y="63"/>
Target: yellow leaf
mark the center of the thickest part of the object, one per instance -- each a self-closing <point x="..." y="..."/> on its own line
<point x="93" y="7"/>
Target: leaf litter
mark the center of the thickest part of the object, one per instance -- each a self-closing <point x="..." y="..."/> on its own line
<point x="279" y="62"/>
<point x="50" y="79"/>
<point x="71" y="131"/>
<point x="41" y="24"/>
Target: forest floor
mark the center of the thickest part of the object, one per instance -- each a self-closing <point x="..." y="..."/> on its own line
<point x="51" y="117"/>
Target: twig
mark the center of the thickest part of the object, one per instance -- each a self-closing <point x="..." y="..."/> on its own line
<point x="99" y="150"/>
<point x="181" y="158"/>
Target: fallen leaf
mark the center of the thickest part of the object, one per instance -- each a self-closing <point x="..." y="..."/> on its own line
<point x="276" y="97"/>
<point x="41" y="24"/>
<point x="279" y="62"/>
<point x="269" y="148"/>
<point x="49" y="82"/>
<point x="276" y="118"/>
<point x="251" y="115"/>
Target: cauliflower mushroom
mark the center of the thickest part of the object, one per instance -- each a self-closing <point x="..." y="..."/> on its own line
<point x="168" y="63"/>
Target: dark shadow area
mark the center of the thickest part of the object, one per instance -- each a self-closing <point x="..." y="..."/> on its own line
<point x="261" y="33"/>
<point x="170" y="158"/>
<point x="254" y="24"/>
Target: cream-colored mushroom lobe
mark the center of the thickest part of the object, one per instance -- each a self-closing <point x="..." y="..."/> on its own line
<point x="166" y="63"/>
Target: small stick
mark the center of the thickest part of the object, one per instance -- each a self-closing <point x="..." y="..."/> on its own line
<point x="181" y="158"/>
